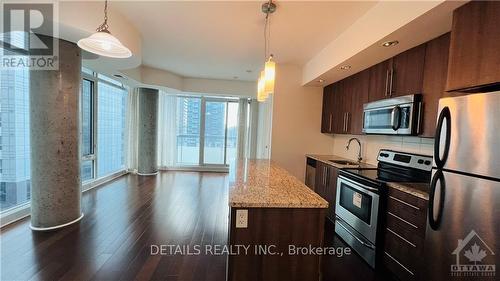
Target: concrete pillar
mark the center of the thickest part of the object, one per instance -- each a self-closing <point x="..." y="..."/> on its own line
<point x="55" y="136"/>
<point x="148" y="132"/>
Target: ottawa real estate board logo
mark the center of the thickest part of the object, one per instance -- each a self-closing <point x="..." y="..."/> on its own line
<point x="28" y="35"/>
<point x="474" y="258"/>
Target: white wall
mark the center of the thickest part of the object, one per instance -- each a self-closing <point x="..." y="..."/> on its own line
<point x="296" y="121"/>
<point x="372" y="144"/>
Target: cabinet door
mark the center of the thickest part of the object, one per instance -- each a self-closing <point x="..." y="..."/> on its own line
<point x="475" y="46"/>
<point x="407" y="72"/>
<point x="338" y="106"/>
<point x="326" y="113"/>
<point x="320" y="181"/>
<point x="331" y="191"/>
<point x="359" y="97"/>
<point x="435" y="71"/>
<point x="378" y="81"/>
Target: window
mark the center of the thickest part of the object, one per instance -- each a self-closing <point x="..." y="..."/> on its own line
<point x="111" y="106"/>
<point x="103" y="106"/>
<point x="87" y="127"/>
<point x="15" y="139"/>
<point x="207" y="130"/>
<point x="188" y="130"/>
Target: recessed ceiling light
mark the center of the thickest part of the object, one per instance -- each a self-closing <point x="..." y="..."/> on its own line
<point x="345" y="67"/>
<point x="249" y="71"/>
<point x="321" y="80"/>
<point x="390" y="43"/>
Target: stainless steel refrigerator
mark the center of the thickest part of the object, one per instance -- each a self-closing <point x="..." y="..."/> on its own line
<point x="463" y="222"/>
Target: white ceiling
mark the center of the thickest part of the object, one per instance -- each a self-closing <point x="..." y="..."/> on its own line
<point x="224" y="39"/>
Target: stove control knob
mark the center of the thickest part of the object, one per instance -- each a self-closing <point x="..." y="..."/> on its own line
<point x="427" y="162"/>
<point x="420" y="161"/>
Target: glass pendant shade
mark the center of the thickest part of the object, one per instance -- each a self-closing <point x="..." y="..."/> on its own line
<point x="270" y="75"/>
<point x="104" y="44"/>
<point x="261" y="95"/>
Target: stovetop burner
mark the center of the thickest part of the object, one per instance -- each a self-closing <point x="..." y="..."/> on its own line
<point x="391" y="168"/>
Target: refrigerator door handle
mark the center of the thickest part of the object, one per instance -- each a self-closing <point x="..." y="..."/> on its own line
<point x="435" y="221"/>
<point x="445" y="115"/>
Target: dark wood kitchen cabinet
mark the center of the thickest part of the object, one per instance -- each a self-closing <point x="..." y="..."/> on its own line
<point x="407" y="72"/>
<point x="343" y="104"/>
<point x="434" y="81"/>
<point x="326" y="186"/>
<point x="404" y="234"/>
<point x="474" y="61"/>
<point x="399" y="76"/>
<point x="360" y="88"/>
<point x="327" y="110"/>
<point x="379" y="81"/>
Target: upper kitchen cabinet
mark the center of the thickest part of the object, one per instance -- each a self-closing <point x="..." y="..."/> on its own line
<point x="407" y="72"/>
<point x="343" y="104"/>
<point x="379" y="81"/>
<point x="474" y="60"/>
<point x="326" y="113"/>
<point x="435" y="71"/>
<point x="398" y="76"/>
<point x="359" y="96"/>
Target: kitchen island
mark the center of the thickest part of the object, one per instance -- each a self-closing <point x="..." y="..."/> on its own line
<point x="275" y="221"/>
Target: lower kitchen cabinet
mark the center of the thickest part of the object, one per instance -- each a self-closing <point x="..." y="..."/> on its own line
<point x="326" y="186"/>
<point x="404" y="234"/>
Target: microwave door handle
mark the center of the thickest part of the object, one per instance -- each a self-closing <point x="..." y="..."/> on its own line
<point x="396" y="118"/>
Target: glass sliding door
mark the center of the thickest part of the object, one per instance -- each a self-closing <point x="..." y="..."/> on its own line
<point x="232" y="132"/>
<point x="188" y="130"/>
<point x="207" y="131"/>
<point x="215" y="132"/>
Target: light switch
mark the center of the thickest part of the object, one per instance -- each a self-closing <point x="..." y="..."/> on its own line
<point x="241" y="218"/>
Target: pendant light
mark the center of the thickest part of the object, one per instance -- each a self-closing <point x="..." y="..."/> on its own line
<point x="265" y="84"/>
<point x="103" y="43"/>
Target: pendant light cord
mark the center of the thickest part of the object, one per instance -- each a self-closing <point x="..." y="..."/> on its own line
<point x="267" y="33"/>
<point x="104" y="26"/>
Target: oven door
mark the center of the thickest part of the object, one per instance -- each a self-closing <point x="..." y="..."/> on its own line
<point x="358" y="206"/>
<point x="394" y="119"/>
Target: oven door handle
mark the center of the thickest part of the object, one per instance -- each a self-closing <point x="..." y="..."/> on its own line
<point x="355" y="237"/>
<point x="357" y="184"/>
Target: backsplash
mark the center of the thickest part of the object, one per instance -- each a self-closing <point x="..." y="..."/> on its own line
<point x="371" y="144"/>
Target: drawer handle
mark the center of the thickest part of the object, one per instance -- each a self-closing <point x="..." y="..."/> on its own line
<point x="401" y="237"/>
<point x="403" y="202"/>
<point x="395" y="260"/>
<point x="403" y="220"/>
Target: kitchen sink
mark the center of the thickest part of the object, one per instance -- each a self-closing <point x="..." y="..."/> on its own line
<point x="345" y="162"/>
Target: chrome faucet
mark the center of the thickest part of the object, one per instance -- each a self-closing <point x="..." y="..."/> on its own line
<point x="359" y="151"/>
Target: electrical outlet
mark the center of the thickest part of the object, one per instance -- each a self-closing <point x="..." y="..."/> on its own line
<point x="241" y="218"/>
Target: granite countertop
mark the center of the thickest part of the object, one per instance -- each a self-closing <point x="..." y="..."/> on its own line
<point x="325" y="159"/>
<point x="416" y="189"/>
<point x="262" y="183"/>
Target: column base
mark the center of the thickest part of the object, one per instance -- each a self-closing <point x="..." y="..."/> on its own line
<point x="55" y="227"/>
<point x="147" y="174"/>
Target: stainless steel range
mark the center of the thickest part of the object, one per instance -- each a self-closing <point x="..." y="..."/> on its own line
<point x="361" y="197"/>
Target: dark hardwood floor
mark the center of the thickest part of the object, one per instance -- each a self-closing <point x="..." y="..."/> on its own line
<point x="123" y="218"/>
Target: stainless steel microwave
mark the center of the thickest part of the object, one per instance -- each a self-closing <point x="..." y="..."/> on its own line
<point x="396" y="116"/>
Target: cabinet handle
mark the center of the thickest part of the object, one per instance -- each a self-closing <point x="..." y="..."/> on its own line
<point x="348" y="114"/>
<point x="330" y="126"/>
<point x="345" y="119"/>
<point x="386" y="82"/>
<point x="390" y="84"/>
